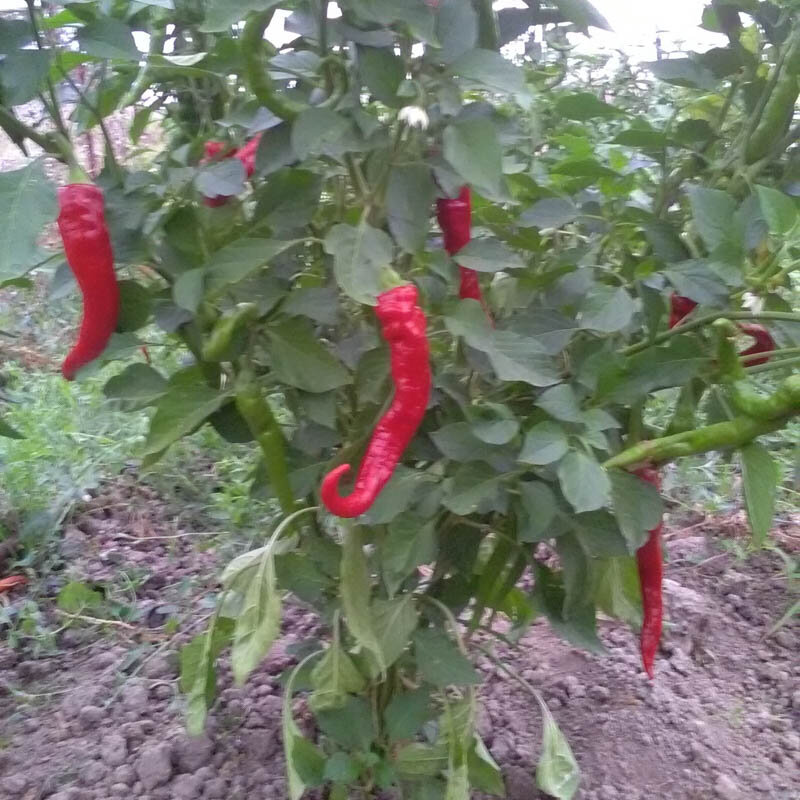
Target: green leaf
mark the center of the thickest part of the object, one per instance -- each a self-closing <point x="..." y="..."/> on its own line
<point x="222" y="14"/>
<point x="561" y="403"/>
<point x="394" y="620"/>
<point x="408" y="199"/>
<point x="557" y="773"/>
<point x="350" y="726"/>
<point x="221" y="179"/>
<point x="382" y="72"/>
<point x="355" y="591"/>
<point x="475" y="489"/>
<point x="545" y="443"/>
<point x="779" y="210"/>
<point x="29" y="205"/>
<point x="315" y="130"/>
<point x="760" y="479"/>
<point x="258" y="623"/>
<point x="301" y="360"/>
<point x="606" y="309"/>
<point x="239" y="259"/>
<point x="406" y="713"/>
<point x="198" y="675"/>
<point x="582" y="13"/>
<point x="713" y="211"/>
<point x="539" y="507"/>
<point x="9" y="431"/>
<point x="186" y="404"/>
<point x="22" y="73"/>
<point x="490" y="69"/>
<point x="583" y="481"/>
<point x="616" y="588"/>
<point x="696" y="279"/>
<point x="106" y="37"/>
<point x="334" y="677"/>
<point x="138" y="382"/>
<point x="682" y="72"/>
<point x="456" y="29"/>
<point x="473" y="149"/>
<point x="484" y="774"/>
<point x="403" y="489"/>
<point x="409" y="542"/>
<point x="342" y="768"/>
<point x="637" y="506"/>
<point x="360" y="254"/>
<point x="550" y="212"/>
<point x="488" y="255"/>
<point x="583" y="106"/>
<point x="76" y="596"/>
<point x="305" y="763"/>
<point x="135" y="305"/>
<point x="440" y="661"/>
<point x="418" y="760"/>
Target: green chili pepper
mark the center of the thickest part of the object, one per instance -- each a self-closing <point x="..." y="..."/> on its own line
<point x="255" y="410"/>
<point x="747" y="400"/>
<point x="777" y="114"/>
<point x="256" y="68"/>
<point x="223" y="342"/>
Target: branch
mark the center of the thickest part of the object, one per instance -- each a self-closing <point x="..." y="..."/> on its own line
<point x="54" y="144"/>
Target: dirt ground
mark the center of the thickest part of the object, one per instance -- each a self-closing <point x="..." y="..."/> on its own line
<point x="101" y="718"/>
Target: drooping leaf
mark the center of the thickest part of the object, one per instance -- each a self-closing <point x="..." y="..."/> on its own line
<point x="28" y="201"/>
<point x="557" y="773"/>
<point x="440" y="661"/>
<point x="760" y="481"/>
<point x="334" y="677"/>
<point x="637" y="506"/>
<point x="360" y="253"/>
<point x="583" y="481"/>
<point x="408" y="199"/>
<point x="473" y="149"/>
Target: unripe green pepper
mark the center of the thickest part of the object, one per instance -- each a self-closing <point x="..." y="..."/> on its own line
<point x="777" y="114"/>
<point x="223" y="344"/>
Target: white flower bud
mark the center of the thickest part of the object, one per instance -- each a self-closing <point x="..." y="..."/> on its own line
<point x="414" y="117"/>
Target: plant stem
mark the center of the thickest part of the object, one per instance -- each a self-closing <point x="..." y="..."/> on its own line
<point x="54" y="144"/>
<point x="770" y="365"/>
<point x="685" y="327"/>
<point x="56" y="108"/>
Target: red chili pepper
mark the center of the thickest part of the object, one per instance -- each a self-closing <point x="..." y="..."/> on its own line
<point x="651" y="572"/>
<point x="246" y="154"/>
<point x="82" y="224"/>
<point x="764" y="343"/>
<point x="403" y="326"/>
<point x="679" y="308"/>
<point x="454" y="216"/>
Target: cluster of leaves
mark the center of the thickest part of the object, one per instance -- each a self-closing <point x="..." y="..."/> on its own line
<point x="588" y="213"/>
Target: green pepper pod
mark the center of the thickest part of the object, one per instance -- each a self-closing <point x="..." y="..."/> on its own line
<point x="222" y="344"/>
<point x="253" y="406"/>
<point x="256" y="68"/>
<point x="747" y="400"/>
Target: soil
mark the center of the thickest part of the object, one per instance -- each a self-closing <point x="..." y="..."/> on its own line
<point x="101" y="716"/>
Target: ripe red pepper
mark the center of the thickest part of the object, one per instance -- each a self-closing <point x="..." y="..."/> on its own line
<point x="454" y="216"/>
<point x="679" y="308"/>
<point x="246" y="154"/>
<point x="82" y="225"/>
<point x="764" y="343"/>
<point x="651" y="572"/>
<point x="403" y="327"/>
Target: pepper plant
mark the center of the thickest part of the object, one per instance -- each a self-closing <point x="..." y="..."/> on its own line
<point x="386" y="245"/>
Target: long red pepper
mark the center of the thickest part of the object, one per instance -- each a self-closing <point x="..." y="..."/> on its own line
<point x="246" y="154"/>
<point x="403" y="327"/>
<point x="455" y="215"/>
<point x="82" y="225"/>
<point x="680" y="307"/>
<point x="651" y="572"/>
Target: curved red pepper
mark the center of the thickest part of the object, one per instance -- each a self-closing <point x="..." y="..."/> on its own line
<point x="403" y="327"/>
<point x="82" y="225"/>
<point x="651" y="572"/>
<point x="454" y="215"/>
<point x="679" y="308"/>
<point x="246" y="154"/>
<point x="764" y="343"/>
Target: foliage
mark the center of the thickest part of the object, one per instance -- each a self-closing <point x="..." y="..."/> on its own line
<point x="590" y="210"/>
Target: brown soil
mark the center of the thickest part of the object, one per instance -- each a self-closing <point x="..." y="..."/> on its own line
<point x="101" y="717"/>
